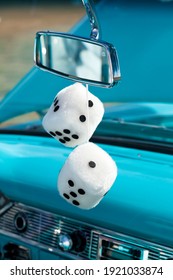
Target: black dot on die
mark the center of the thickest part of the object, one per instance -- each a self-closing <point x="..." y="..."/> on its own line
<point x="67" y="131"/>
<point x="67" y="139"/>
<point x="90" y="103"/>
<point x="66" y="195"/>
<point x="62" y="141"/>
<point x="92" y="164"/>
<point x="75" y="202"/>
<point x="73" y="194"/>
<point x="56" y="102"/>
<point x="55" y="99"/>
<point x="56" y="108"/>
<point x="82" y="118"/>
<point x="75" y="136"/>
<point x="71" y="183"/>
<point x="81" y="191"/>
<point x="52" y="133"/>
<point x="58" y="133"/>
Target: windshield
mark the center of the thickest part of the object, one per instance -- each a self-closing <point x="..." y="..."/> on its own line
<point x="139" y="108"/>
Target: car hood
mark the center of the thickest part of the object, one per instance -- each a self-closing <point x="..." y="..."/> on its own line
<point x="145" y="55"/>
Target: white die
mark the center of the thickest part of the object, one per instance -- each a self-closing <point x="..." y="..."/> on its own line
<point x="73" y="116"/>
<point x="87" y="175"/>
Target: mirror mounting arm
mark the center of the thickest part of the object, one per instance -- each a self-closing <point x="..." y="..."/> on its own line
<point x="95" y="27"/>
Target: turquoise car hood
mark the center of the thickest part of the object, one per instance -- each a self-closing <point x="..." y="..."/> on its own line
<point x="143" y="35"/>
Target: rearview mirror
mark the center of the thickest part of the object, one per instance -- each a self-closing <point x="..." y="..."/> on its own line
<point x="77" y="58"/>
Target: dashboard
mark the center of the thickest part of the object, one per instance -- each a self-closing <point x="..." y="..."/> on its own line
<point x="133" y="221"/>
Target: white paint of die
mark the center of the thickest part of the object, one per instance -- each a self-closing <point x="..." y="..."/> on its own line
<point x="96" y="181"/>
<point x="73" y="103"/>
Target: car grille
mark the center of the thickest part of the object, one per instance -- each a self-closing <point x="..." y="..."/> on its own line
<point x="43" y="229"/>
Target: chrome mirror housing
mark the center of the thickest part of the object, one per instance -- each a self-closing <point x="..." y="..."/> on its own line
<point x="86" y="60"/>
<point x="81" y="59"/>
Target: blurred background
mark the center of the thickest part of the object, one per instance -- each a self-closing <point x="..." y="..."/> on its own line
<point x="19" y="21"/>
<point x="28" y="2"/>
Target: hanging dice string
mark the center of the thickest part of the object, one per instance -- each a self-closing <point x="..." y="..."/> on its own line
<point x="87" y="111"/>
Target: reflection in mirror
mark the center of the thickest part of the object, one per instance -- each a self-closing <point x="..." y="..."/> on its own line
<point x="77" y="58"/>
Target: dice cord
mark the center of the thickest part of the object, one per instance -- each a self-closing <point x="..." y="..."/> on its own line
<point x="87" y="111"/>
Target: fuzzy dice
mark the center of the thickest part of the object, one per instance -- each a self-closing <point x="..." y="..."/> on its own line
<point x="87" y="175"/>
<point x="73" y="116"/>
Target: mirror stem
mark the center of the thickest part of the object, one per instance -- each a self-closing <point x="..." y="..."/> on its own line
<point x="95" y="27"/>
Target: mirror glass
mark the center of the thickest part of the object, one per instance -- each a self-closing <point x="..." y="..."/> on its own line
<point x="78" y="59"/>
